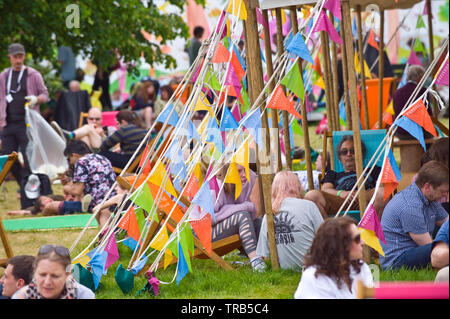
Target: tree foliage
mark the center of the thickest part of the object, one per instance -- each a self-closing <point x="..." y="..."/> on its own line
<point x="103" y="27"/>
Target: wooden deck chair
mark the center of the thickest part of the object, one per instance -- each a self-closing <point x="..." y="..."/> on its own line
<point x="83" y="117"/>
<point x="6" y="162"/>
<point x="371" y="139"/>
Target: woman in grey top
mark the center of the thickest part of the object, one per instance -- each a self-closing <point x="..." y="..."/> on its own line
<point x="52" y="277"/>
<point x="296" y="221"/>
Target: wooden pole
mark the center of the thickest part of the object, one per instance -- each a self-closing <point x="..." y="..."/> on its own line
<point x="303" y="113"/>
<point x="361" y="63"/>
<point x="430" y="39"/>
<point x="380" y="72"/>
<point x="345" y="80"/>
<point x="256" y="86"/>
<point x="280" y="49"/>
<point x="354" y="103"/>
<point x="348" y="40"/>
<point x="326" y="74"/>
<point x="269" y="68"/>
<point x="334" y="81"/>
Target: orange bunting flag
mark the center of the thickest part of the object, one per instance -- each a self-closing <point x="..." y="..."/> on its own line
<point x="371" y="40"/>
<point x="240" y="72"/>
<point x="419" y="114"/>
<point x="222" y="55"/>
<point x="165" y="202"/>
<point x="280" y="101"/>
<point x="191" y="187"/>
<point x="130" y="224"/>
<point x="202" y="228"/>
<point x="390" y="175"/>
<point x="233" y="177"/>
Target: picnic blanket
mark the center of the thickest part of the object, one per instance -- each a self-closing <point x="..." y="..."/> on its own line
<point x="50" y="222"/>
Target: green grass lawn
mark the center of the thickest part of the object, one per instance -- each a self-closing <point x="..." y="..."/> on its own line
<point x="206" y="280"/>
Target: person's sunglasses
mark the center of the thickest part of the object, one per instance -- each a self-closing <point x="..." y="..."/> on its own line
<point x="60" y="250"/>
<point x="345" y="151"/>
<point x="94" y="118"/>
<point x="357" y="239"/>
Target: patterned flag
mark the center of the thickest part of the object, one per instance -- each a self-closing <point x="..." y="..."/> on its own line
<point x="335" y="8"/>
<point x="112" y="251"/>
<point x="202" y="228"/>
<point x="442" y="75"/>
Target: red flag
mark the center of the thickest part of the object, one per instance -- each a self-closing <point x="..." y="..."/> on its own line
<point x="419" y="114"/>
<point x="130" y="224"/>
<point x="280" y="101"/>
<point x="202" y="228"/>
<point x="222" y="55"/>
<point x="389" y="179"/>
<point x="237" y="66"/>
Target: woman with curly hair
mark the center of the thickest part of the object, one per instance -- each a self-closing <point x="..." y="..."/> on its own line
<point x="333" y="264"/>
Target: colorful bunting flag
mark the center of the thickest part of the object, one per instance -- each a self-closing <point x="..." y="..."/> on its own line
<point x="237" y="8"/>
<point x="371" y="231"/>
<point x="204" y="200"/>
<point x="164" y="115"/>
<point x="228" y="121"/>
<point x="358" y="66"/>
<point x="213" y="134"/>
<point x="391" y="175"/>
<point x="418" y="47"/>
<point x="112" y="251"/>
<point x="222" y="55"/>
<point x="97" y="263"/>
<point x="182" y="267"/>
<point x="293" y="81"/>
<point x="372" y="41"/>
<point x="202" y="228"/>
<point x="298" y="47"/>
<point x="280" y="101"/>
<point x="233" y="177"/>
<point x="142" y="197"/>
<point x="130" y="224"/>
<point x="335" y="8"/>
<point x="241" y="157"/>
<point x="323" y="23"/>
<point x="414" y="59"/>
<point x="419" y="114"/>
<point x="412" y="128"/>
<point x="252" y="122"/>
<point x="420" y="23"/>
<point x="442" y="75"/>
<point x="159" y="175"/>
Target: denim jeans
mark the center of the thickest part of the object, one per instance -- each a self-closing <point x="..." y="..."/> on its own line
<point x="418" y="257"/>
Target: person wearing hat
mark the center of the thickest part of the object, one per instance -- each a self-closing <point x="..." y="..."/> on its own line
<point x="19" y="84"/>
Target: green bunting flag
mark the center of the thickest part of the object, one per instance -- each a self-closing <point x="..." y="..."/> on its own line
<point x="296" y="128"/>
<point x="420" y="23"/>
<point x="143" y="198"/>
<point x="212" y="80"/>
<point x="187" y="243"/>
<point x="243" y="99"/>
<point x="294" y="82"/>
<point x="418" y="47"/>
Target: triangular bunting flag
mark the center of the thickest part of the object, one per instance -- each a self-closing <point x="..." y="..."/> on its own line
<point x="298" y="47"/>
<point x="412" y="128"/>
<point x="335" y="8"/>
<point x="420" y="23"/>
<point x="159" y="175"/>
<point x="293" y="81"/>
<point x="204" y="200"/>
<point x="164" y="115"/>
<point x="419" y="114"/>
<point x="113" y="252"/>
<point x="233" y="177"/>
<point x="252" y="122"/>
<point x="324" y="24"/>
<point x="182" y="267"/>
<point x="237" y="8"/>
<point x="371" y="240"/>
<point x="228" y="121"/>
<point x="202" y="228"/>
<point x="222" y="55"/>
<point x="442" y="75"/>
<point x="241" y="157"/>
<point x="280" y="101"/>
<point x="390" y="176"/>
<point x="130" y="224"/>
<point x="372" y="41"/>
<point x="414" y="59"/>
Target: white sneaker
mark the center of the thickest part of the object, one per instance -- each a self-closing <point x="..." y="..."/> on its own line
<point x="258" y="264"/>
<point x="85" y="202"/>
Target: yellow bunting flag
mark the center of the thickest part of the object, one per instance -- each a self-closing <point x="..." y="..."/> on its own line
<point x="237" y="8"/>
<point x="158" y="176"/>
<point x="369" y="237"/>
<point x="358" y="66"/>
<point x="241" y="158"/>
<point x="198" y="173"/>
<point x="234" y="178"/>
<point x="161" y="240"/>
<point x="202" y="104"/>
<point x="83" y="261"/>
<point x="168" y="257"/>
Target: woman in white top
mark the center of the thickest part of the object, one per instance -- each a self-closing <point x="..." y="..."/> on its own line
<point x="333" y="264"/>
<point x="52" y="277"/>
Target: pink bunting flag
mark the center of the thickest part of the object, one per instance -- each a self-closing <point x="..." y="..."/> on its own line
<point x="414" y="59"/>
<point x="324" y="24"/>
<point x="113" y="252"/>
<point x="442" y="77"/>
<point x="370" y="221"/>
<point x="335" y="8"/>
<point x="260" y="19"/>
<point x="153" y="281"/>
<point x="233" y="79"/>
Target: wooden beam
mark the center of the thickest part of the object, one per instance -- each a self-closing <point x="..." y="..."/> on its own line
<point x="380" y="72"/>
<point x="269" y="68"/>
<point x="286" y="137"/>
<point x="326" y="70"/>
<point x="256" y="85"/>
<point x="361" y="63"/>
<point x="306" y="141"/>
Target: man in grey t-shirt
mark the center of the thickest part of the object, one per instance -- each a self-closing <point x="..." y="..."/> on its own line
<point x="296" y="223"/>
